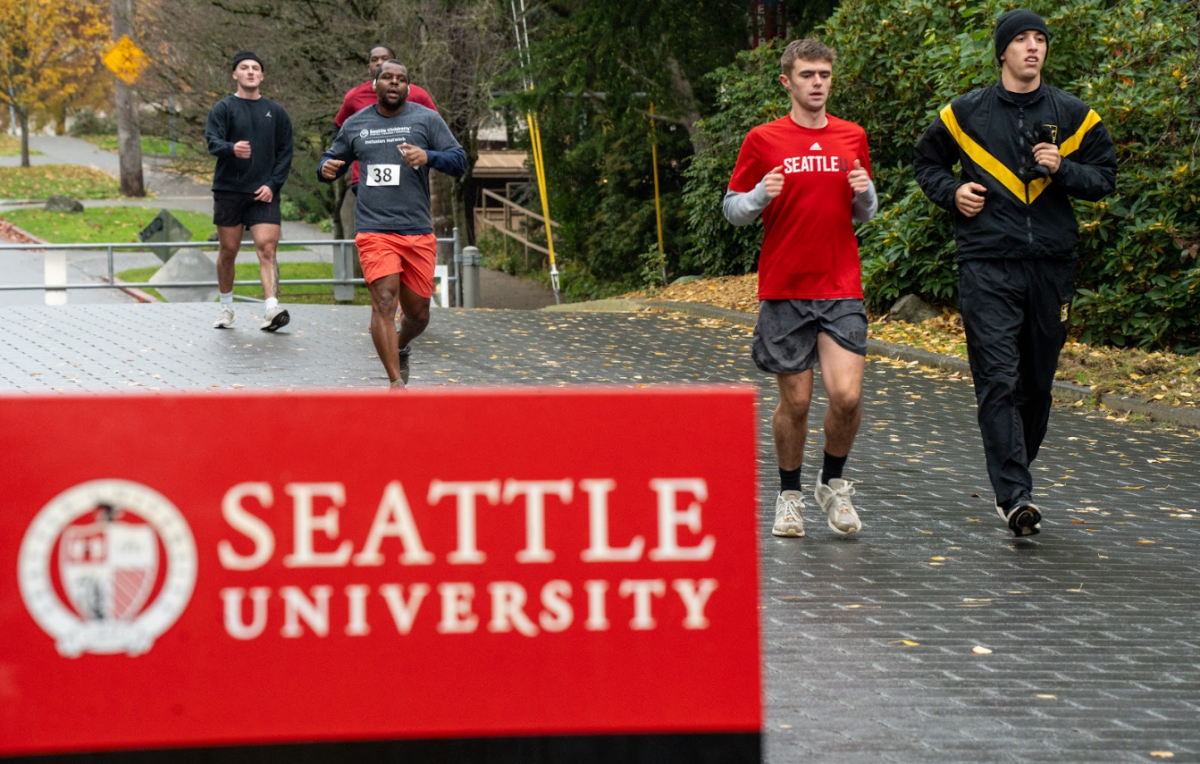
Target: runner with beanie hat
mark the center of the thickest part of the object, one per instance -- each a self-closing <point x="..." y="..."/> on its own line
<point x="1013" y="23"/>
<point x="1026" y="150"/>
<point x="246" y="55"/>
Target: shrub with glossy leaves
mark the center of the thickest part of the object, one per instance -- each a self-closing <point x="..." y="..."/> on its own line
<point x="899" y="61"/>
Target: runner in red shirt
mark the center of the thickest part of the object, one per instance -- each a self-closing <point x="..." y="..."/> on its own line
<point x="809" y="176"/>
<point x="362" y="96"/>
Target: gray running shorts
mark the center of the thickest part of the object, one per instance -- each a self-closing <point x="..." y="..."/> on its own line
<point x="785" y="337"/>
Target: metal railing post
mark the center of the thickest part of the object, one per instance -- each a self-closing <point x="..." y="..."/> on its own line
<point x="470" y="277"/>
<point x="343" y="269"/>
<point x="54" y="266"/>
<point x="458" y="288"/>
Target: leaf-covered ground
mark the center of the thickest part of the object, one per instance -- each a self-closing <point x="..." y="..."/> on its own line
<point x="1166" y="378"/>
<point x="11" y="147"/>
<point x="44" y="180"/>
<point x="100" y="224"/>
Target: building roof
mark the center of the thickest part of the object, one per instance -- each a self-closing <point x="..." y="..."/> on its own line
<point x="501" y="164"/>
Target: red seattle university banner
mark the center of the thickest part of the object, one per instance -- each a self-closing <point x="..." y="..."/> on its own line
<point x="232" y="569"/>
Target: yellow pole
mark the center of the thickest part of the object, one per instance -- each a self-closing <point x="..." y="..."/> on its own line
<point x="535" y="141"/>
<point x="662" y="255"/>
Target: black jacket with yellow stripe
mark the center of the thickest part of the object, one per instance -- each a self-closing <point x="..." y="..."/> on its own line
<point x="983" y="130"/>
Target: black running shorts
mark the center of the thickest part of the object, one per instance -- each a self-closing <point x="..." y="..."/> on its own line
<point x="785" y="337"/>
<point x="232" y="208"/>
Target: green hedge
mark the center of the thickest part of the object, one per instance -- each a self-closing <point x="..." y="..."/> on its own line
<point x="899" y="61"/>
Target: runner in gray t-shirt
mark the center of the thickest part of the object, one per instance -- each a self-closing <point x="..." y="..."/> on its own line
<point x="395" y="144"/>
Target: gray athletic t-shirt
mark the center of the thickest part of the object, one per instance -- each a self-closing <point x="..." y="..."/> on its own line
<point x="393" y="197"/>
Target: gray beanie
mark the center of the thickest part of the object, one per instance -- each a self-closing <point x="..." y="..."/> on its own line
<point x="1013" y="23"/>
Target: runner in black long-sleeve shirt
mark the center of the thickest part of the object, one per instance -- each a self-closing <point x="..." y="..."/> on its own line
<point x="251" y="137"/>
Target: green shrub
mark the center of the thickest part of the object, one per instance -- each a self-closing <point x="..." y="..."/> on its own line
<point x="1131" y="61"/>
<point x="748" y="94"/>
<point x="88" y="122"/>
<point x="899" y="61"/>
<point x="288" y="209"/>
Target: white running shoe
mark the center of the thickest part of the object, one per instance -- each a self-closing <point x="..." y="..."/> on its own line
<point x="789" y="519"/>
<point x="224" y="318"/>
<point x="834" y="498"/>
<point x="275" y="318"/>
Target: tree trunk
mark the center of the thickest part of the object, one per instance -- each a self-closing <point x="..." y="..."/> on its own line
<point x="441" y="193"/>
<point x="129" y="133"/>
<point x="23" y="117"/>
<point x="683" y="88"/>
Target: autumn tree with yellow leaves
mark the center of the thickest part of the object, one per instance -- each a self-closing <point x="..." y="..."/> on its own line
<point x="48" y="52"/>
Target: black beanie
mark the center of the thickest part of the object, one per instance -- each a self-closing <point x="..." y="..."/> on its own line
<point x="1013" y="23"/>
<point x="246" y="55"/>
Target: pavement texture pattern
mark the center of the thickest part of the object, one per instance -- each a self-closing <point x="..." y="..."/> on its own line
<point x="932" y="635"/>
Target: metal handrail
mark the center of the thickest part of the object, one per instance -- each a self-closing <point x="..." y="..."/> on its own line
<point x="111" y="247"/>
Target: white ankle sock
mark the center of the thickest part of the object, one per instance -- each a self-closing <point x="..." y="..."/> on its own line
<point x="226" y="298"/>
<point x="271" y="302"/>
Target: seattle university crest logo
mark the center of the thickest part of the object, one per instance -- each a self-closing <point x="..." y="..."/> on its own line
<point x="107" y="567"/>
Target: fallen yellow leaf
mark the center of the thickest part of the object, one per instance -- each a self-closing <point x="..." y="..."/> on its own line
<point x="905" y="642"/>
<point x="1162" y="754"/>
<point x="1048" y="697"/>
<point x="978" y="650"/>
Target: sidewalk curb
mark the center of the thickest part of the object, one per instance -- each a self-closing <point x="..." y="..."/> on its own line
<point x="1063" y="391"/>
<point x="133" y="292"/>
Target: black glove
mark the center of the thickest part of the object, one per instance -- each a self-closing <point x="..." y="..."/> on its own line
<point x="1039" y="133"/>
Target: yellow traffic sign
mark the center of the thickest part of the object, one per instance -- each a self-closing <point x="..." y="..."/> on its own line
<point x="126" y="60"/>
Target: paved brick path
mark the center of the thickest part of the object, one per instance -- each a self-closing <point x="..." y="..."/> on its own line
<point x="1094" y="627"/>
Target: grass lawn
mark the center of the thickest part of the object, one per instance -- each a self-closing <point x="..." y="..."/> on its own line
<point x="151" y="144"/>
<point x="43" y="181"/>
<point x="189" y="161"/>
<point x="11" y="147"/>
<point x="308" y="294"/>
<point x="101" y="224"/>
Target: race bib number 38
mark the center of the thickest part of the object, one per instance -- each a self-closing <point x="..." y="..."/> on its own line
<point x="383" y="175"/>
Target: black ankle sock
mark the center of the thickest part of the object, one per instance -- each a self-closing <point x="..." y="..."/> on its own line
<point x="833" y="466"/>
<point x="789" y="480"/>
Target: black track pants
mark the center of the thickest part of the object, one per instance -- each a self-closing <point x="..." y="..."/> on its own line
<point x="1014" y="313"/>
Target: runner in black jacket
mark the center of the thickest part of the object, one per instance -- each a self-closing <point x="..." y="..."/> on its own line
<point x="1026" y="148"/>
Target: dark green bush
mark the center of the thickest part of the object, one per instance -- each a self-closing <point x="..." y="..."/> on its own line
<point x="748" y="94"/>
<point x="1132" y="62"/>
<point x="899" y="61"/>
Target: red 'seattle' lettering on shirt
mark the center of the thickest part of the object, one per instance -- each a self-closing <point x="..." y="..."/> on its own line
<point x="809" y="251"/>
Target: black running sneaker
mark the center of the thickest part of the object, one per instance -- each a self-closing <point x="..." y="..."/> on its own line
<point x="404" y="354"/>
<point x="1024" y="518"/>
